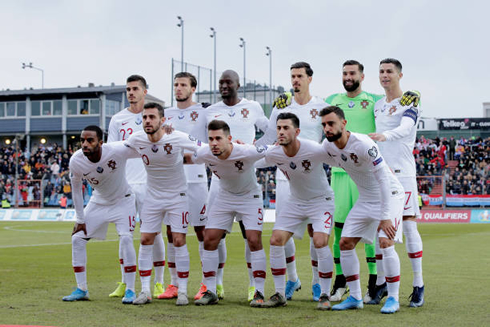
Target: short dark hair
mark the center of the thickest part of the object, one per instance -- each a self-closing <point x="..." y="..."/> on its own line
<point x="354" y="62"/>
<point x="97" y="130"/>
<point x="191" y="77"/>
<point x="336" y="110"/>
<point x="216" y="125"/>
<point x="137" y="78"/>
<point x="291" y="116"/>
<point x="305" y="65"/>
<point x="151" y="105"/>
<point x="393" y="61"/>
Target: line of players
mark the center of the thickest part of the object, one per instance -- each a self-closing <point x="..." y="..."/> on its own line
<point x="240" y="114"/>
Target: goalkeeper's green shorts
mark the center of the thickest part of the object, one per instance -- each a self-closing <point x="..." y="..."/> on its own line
<point x="346" y="195"/>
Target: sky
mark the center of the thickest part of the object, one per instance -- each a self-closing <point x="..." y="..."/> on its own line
<point x="443" y="45"/>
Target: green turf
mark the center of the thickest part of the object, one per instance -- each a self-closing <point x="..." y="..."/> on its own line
<point x="35" y="272"/>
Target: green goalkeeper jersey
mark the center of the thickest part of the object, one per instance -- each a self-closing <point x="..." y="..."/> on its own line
<point x="359" y="112"/>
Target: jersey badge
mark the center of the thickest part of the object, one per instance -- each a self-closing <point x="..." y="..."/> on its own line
<point x="231" y="113"/>
<point x="313" y="113"/>
<point x="181" y="116"/>
<point x="343" y="157"/>
<point x="100" y="170"/>
<point x="351" y="104"/>
<point x="194" y="115"/>
<point x="292" y="165"/>
<point x="364" y="104"/>
<point x="354" y="158"/>
<point x="377" y="161"/>
<point x="138" y="121"/>
<point x="373" y="152"/>
<point x="392" y="110"/>
<point x="331" y="155"/>
<point x="192" y="138"/>
<point x="306" y="165"/>
<point x="154" y="148"/>
<point x="261" y="149"/>
<point x="168" y="148"/>
<point x="239" y="164"/>
<point x="112" y="164"/>
<point x="245" y="112"/>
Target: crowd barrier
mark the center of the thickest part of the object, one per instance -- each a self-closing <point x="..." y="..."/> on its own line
<point x="457" y="200"/>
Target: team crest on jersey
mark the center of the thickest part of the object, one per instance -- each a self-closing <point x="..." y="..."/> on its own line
<point x="168" y="148"/>
<point x="194" y="115"/>
<point x="100" y="170"/>
<point x="292" y="165"/>
<point x="392" y="110"/>
<point x="306" y="165"/>
<point x="313" y="113"/>
<point x="138" y="121"/>
<point x="343" y="157"/>
<point x="373" y="152"/>
<point x="351" y="104"/>
<point x="111" y="164"/>
<point x="354" y="158"/>
<point x="239" y="164"/>
<point x="364" y="104"/>
<point x="154" y="148"/>
<point x="245" y="112"/>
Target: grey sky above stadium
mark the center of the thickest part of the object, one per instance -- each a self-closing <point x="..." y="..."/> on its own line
<point x="443" y="45"/>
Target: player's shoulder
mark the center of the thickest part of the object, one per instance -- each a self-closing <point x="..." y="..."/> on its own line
<point x="76" y="158"/>
<point x="121" y="114"/>
<point x="250" y="103"/>
<point x="309" y="144"/>
<point x="371" y="96"/>
<point x="315" y="101"/>
<point x="336" y="97"/>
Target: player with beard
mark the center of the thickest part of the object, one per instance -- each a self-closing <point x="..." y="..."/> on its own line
<point x="121" y="126"/>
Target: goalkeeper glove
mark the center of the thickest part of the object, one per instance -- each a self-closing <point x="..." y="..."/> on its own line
<point x="282" y="101"/>
<point x="410" y="97"/>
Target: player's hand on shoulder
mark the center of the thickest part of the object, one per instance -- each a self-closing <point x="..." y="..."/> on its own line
<point x="283" y="100"/>
<point x="411" y="97"/>
<point x="168" y="129"/>
<point x="377" y="137"/>
<point x="239" y="142"/>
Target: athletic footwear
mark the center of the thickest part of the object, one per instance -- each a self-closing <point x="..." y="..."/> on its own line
<point x="182" y="299"/>
<point x="157" y="290"/>
<point x="349" y="303"/>
<point x="371" y="291"/>
<point x="172" y="292"/>
<point x="251" y="293"/>
<point x="381" y="292"/>
<point x="77" y="295"/>
<point x="316" y="291"/>
<point x="324" y="303"/>
<point x="417" y="297"/>
<point x="129" y="297"/>
<point x="143" y="298"/>
<point x="220" y="291"/>
<point x="292" y="287"/>
<point x="201" y="291"/>
<point x="120" y="289"/>
<point x="276" y="300"/>
<point x="207" y="298"/>
<point x="339" y="289"/>
<point x="258" y="300"/>
<point x="391" y="305"/>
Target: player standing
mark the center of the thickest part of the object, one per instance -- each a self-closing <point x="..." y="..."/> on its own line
<point x="103" y="166"/>
<point x="121" y="126"/>
<point x="396" y="130"/>
<point x="310" y="200"/>
<point x="378" y="208"/>
<point x="166" y="196"/>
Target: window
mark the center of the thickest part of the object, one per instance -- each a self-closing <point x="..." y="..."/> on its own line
<point x="21" y="109"/>
<point x="36" y="108"/>
<point x="112" y="107"/>
<point x="94" y="107"/>
<point x="72" y="107"/>
<point x="57" y="107"/>
<point x="46" y="108"/>
<point x="84" y="107"/>
<point x="2" y="109"/>
<point x="10" y="109"/>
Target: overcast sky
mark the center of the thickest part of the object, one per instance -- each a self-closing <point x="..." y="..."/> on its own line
<point x="444" y="48"/>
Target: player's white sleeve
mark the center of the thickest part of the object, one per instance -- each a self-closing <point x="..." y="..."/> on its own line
<point x="401" y="131"/>
<point x="262" y="163"/>
<point x="198" y="157"/>
<point x="270" y="134"/>
<point x="113" y="134"/>
<point x="77" y="194"/>
<point x="262" y="122"/>
<point x="381" y="175"/>
<point x="127" y="151"/>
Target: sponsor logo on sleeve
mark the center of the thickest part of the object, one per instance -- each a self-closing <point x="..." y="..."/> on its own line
<point x="378" y="161"/>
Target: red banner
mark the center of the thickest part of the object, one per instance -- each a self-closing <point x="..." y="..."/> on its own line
<point x="445" y="216"/>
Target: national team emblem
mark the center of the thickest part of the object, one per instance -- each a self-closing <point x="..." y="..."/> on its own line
<point x="306" y="165"/>
<point x="373" y="152"/>
<point x="100" y="170"/>
<point x="181" y="116"/>
<point x="194" y="115"/>
<point x="154" y="148"/>
<point x="351" y="104"/>
<point x="364" y="104"/>
<point x="354" y="158"/>
<point x="343" y="157"/>
<point x="245" y="112"/>
<point x="313" y="113"/>
<point x="292" y="165"/>
<point x="138" y="121"/>
<point x="239" y="164"/>
<point x="112" y="164"/>
<point x="392" y="110"/>
<point x="168" y="148"/>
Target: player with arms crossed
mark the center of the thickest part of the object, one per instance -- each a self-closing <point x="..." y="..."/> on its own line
<point x="396" y="130"/>
<point x="122" y="125"/>
<point x="378" y="208"/>
<point x="188" y="117"/>
<point x="103" y="166"/>
<point x="242" y="116"/>
<point x="306" y="108"/>
<point x="238" y="194"/>
<point x="310" y="200"/>
<point x="166" y="196"/>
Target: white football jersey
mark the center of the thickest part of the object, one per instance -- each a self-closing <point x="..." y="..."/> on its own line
<point x="399" y="124"/>
<point x="310" y="123"/>
<point x="236" y="173"/>
<point x="304" y="171"/>
<point x="242" y="118"/>
<point x="163" y="160"/>
<point x="191" y="121"/>
<point x="122" y="125"/>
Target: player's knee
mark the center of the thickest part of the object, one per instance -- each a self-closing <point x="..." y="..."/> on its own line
<point x="346" y="244"/>
<point x="320" y="242"/>
<point x="126" y="239"/>
<point x="77" y="241"/>
<point x="385" y="242"/>
<point x="254" y="243"/>
<point x="178" y="239"/>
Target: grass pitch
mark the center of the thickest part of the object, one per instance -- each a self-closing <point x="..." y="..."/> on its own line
<point x="35" y="273"/>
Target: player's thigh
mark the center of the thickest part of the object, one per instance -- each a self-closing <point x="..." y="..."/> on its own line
<point x="139" y="191"/>
<point x="177" y="213"/>
<point x="152" y="214"/>
<point x="396" y="216"/>
<point x="123" y="215"/>
<point x="411" y="205"/>
<point x="292" y="219"/>
<point x="362" y="221"/>
<point x="197" y="194"/>
<point x="320" y="212"/>
<point x="213" y="191"/>
<point x="221" y="213"/>
<point x="251" y="210"/>
<point x="97" y="218"/>
<point x="282" y="194"/>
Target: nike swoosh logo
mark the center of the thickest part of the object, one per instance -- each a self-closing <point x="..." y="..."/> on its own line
<point x="203" y="219"/>
<point x="212" y="164"/>
<point x="124" y="123"/>
<point x="216" y="116"/>
<point x="143" y="148"/>
<point x="259" y="224"/>
<point x="406" y="208"/>
<point x="86" y="174"/>
<point x="280" y="163"/>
